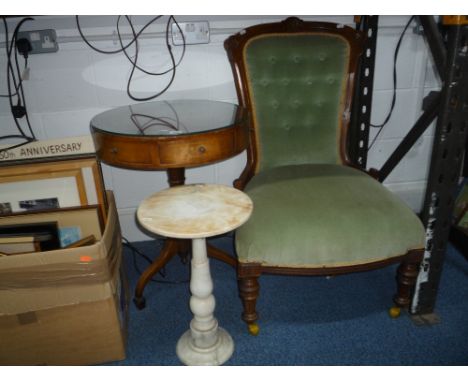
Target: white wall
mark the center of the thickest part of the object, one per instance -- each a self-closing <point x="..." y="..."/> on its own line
<point x="67" y="88"/>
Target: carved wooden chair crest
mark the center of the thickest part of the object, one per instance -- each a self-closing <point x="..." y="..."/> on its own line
<point x="314" y="213"/>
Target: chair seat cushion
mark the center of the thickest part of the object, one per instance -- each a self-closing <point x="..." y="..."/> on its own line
<point x="324" y="215"/>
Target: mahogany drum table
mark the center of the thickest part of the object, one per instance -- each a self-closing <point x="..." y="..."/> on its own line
<point x="170" y="136"/>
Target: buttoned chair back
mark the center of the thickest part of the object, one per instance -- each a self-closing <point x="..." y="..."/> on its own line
<point x="314" y="213"/>
<point x="297" y="80"/>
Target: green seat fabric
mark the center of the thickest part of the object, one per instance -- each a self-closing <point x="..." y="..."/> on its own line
<point x="324" y="215"/>
<point x="296" y="84"/>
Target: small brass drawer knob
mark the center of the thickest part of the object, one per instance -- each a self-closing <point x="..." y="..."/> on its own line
<point x="114" y="150"/>
<point x="202" y="149"/>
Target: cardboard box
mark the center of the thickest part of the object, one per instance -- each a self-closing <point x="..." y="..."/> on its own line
<point x="65" y="307"/>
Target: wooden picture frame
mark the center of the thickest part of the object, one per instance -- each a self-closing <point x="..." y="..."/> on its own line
<point x="74" y="182"/>
<point x="26" y="237"/>
<point x="74" y="223"/>
<point x="14" y="245"/>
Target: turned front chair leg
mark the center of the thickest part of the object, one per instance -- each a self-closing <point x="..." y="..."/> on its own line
<point x="249" y="290"/>
<point x="407" y="274"/>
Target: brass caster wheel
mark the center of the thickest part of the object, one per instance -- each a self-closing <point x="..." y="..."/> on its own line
<point x="253" y="329"/>
<point x="394" y="311"/>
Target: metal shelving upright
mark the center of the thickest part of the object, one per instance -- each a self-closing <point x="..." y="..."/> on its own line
<point x="448" y="43"/>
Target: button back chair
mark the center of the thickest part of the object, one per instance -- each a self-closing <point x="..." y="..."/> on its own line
<point x="314" y="212"/>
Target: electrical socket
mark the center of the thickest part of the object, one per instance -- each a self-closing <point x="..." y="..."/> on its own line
<point x="195" y="32"/>
<point x="42" y="41"/>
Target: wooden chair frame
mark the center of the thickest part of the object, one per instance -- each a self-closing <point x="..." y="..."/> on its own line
<point x="248" y="273"/>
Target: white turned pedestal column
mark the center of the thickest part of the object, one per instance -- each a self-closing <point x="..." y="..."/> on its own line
<point x="196" y="212"/>
<point x="205" y="343"/>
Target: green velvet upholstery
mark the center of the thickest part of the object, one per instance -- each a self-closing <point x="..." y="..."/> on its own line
<point x="314" y="213"/>
<point x="310" y="209"/>
<point x="296" y="83"/>
<point x="322" y="215"/>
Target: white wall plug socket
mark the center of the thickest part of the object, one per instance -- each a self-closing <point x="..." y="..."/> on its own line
<point x="194" y="32"/>
<point x="42" y="41"/>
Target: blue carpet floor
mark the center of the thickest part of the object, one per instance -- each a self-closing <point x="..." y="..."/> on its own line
<point x="333" y="321"/>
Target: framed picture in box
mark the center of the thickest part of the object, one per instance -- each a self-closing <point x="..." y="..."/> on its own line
<point x="74" y="223"/>
<point x="28" y="237"/>
<point x="22" y="244"/>
<point x="44" y="185"/>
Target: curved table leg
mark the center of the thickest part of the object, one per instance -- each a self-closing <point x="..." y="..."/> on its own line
<point x="171" y="248"/>
<point x="184" y="248"/>
<point x="219" y="254"/>
<point x="168" y="251"/>
<point x="175" y="177"/>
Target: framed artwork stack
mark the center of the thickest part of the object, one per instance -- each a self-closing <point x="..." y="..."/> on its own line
<point x="66" y="193"/>
<point x="63" y="289"/>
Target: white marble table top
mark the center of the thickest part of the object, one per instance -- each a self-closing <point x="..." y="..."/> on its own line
<point x="194" y="211"/>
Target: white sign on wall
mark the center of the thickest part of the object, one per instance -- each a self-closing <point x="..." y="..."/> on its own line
<point x="49" y="148"/>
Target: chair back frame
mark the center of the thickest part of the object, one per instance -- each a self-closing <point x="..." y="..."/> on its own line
<point x="235" y="45"/>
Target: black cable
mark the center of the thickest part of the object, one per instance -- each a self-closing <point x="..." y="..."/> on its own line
<point x="155" y="121"/>
<point x="117" y="50"/>
<point x="169" y="48"/>
<point x="135" y="252"/>
<point x="11" y="136"/>
<point x="136" y="41"/>
<point x="29" y="140"/>
<point x="12" y="47"/>
<point x="133" y="248"/>
<point x="172" y="123"/>
<point x="18" y="86"/>
<point x="10" y="72"/>
<point x="23" y="98"/>
<point x="123" y="48"/>
<point x="392" y="106"/>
